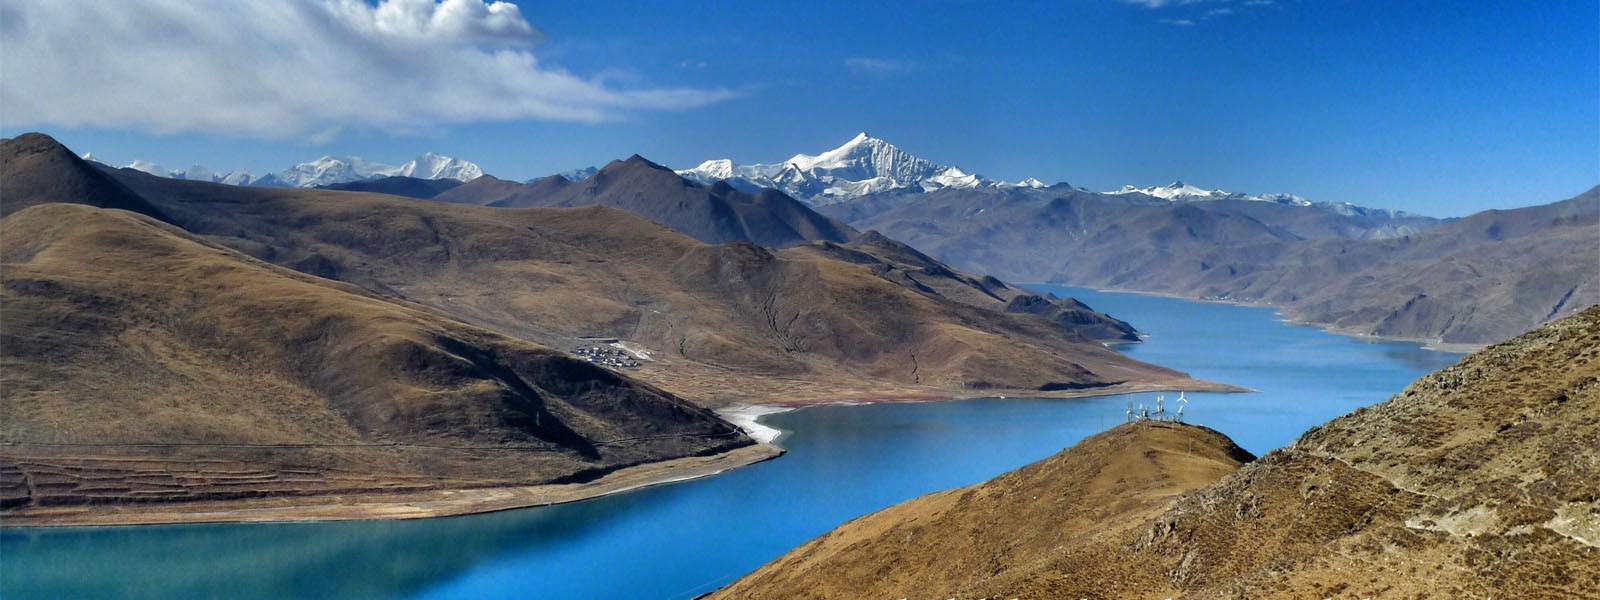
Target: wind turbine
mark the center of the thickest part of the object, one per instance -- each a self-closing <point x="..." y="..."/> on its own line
<point x="1130" y="410"/>
<point x="1161" y="411"/>
<point x="1182" y="401"/>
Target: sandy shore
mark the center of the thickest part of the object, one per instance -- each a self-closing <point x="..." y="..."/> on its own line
<point x="746" y="415"/>
<point x="433" y="503"/>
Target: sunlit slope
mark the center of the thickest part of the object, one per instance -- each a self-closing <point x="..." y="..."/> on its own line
<point x="1478" y="480"/>
<point x="141" y="363"/>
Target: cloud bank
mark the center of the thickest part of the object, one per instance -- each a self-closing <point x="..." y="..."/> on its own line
<point x="290" y="68"/>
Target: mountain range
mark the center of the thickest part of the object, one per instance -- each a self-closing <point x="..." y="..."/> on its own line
<point x="1469" y="281"/>
<point x="1463" y="485"/>
<point x="867" y="166"/>
<point x="714" y="214"/>
<point x="307" y="342"/>
<point x="863" y="165"/>
<point x="325" y="171"/>
<point x="1176" y="239"/>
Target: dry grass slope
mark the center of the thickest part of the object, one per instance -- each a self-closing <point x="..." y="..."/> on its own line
<point x="802" y="323"/>
<point x="1480" y="480"/>
<point x="141" y="364"/>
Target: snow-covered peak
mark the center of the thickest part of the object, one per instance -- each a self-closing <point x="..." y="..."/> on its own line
<point x="717" y="168"/>
<point x="323" y="171"/>
<point x="90" y="157"/>
<point x="1176" y="191"/>
<point x="196" y="173"/>
<point x="576" y="174"/>
<point x="149" y="167"/>
<point x="329" y="170"/>
<point x="1029" y="183"/>
<point x="238" y="178"/>
<point x="866" y="157"/>
<point x="435" y="166"/>
<point x="863" y="165"/>
<point x="1179" y="191"/>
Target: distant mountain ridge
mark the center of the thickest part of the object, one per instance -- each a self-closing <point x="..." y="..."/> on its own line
<point x="715" y="214"/>
<point x="1469" y="281"/>
<point x="867" y="166"/>
<point x="328" y="170"/>
<point x="1179" y="191"/>
<point x="864" y="165"/>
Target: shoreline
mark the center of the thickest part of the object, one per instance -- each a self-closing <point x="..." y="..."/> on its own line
<point x="378" y="506"/>
<point x="461" y="502"/>
<point x="747" y="418"/>
<point x="1186" y="385"/>
<point x="1426" y="344"/>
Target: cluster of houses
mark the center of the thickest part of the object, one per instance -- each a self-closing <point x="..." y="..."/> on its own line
<point x="610" y="357"/>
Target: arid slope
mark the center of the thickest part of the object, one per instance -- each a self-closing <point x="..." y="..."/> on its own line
<point x="988" y="536"/>
<point x="1479" y="480"/>
<point x="142" y="364"/>
<point x="713" y="214"/>
<point x="804" y="324"/>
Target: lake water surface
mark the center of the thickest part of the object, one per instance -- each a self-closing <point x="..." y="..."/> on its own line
<point x="685" y="539"/>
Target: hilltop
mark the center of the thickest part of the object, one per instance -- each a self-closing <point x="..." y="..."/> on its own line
<point x="1472" y="482"/>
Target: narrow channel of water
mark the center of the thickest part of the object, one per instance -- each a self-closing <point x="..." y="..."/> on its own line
<point x="681" y="540"/>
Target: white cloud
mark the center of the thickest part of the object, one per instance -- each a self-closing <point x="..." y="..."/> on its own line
<point x="1162" y="3"/>
<point x="1221" y="8"/>
<point x="291" y="67"/>
<point x="878" y="66"/>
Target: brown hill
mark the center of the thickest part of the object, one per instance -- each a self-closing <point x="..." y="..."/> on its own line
<point x="713" y="319"/>
<point x="35" y="169"/>
<point x="1473" y="281"/>
<point x="1476" y="481"/>
<point x="141" y="364"/>
<point x="399" y="185"/>
<point x="961" y="542"/>
<point x="904" y="265"/>
<point x="713" y="214"/>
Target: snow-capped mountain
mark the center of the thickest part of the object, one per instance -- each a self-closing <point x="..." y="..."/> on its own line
<point x="863" y="165"/>
<point x="435" y="166"/>
<point x="1179" y="191"/>
<point x="327" y="170"/>
<point x="575" y="174"/>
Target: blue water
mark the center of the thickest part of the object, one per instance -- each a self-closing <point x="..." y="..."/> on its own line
<point x="685" y="539"/>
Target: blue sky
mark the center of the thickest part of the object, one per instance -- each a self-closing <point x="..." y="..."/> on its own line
<point x="1443" y="108"/>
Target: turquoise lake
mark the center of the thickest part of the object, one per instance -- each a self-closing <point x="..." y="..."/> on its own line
<point x="685" y="539"/>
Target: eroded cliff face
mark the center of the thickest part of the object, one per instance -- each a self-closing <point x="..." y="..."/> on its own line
<point x="1482" y="479"/>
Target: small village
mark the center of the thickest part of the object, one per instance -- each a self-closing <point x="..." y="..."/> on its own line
<point x="610" y="357"/>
